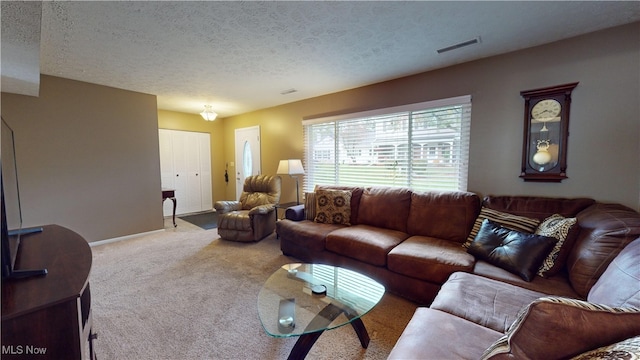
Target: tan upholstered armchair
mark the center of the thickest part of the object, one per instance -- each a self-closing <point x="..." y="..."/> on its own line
<point x="254" y="216"/>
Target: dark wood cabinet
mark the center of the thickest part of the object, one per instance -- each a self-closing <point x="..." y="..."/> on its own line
<point x="49" y="317"/>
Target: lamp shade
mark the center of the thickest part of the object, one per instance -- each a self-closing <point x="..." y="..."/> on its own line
<point x="290" y="167"/>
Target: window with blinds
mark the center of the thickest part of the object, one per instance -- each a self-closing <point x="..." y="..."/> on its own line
<point x="423" y="146"/>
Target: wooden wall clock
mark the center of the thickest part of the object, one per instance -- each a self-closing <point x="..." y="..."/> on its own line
<point x="546" y="132"/>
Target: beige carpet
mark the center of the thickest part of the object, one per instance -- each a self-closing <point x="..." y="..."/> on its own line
<point x="186" y="294"/>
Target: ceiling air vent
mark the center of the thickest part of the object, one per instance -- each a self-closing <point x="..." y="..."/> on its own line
<point x="460" y="45"/>
<point x="288" y="91"/>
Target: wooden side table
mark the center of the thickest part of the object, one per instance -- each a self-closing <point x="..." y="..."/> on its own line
<point x="283" y="206"/>
<point x="171" y="194"/>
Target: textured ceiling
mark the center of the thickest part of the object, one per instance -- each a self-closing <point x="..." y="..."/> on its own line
<point x="21" y="47"/>
<point x="240" y="56"/>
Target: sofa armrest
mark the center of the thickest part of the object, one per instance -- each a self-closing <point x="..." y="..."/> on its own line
<point x="605" y="229"/>
<point x="295" y="213"/>
<point x="262" y="209"/>
<point x="559" y="328"/>
<point x="223" y="207"/>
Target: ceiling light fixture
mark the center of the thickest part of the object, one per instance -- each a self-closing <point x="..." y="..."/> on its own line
<point x="460" y="45"/>
<point x="208" y="114"/>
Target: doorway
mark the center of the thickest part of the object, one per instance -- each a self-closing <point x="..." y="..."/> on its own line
<point x="247" y="149"/>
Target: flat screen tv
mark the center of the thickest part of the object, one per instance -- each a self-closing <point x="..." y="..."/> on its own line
<point x="12" y="229"/>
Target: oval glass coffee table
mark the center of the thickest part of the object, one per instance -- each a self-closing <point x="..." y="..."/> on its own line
<point x="306" y="299"/>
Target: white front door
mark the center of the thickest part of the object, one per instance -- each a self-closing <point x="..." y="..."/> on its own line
<point x="247" y="155"/>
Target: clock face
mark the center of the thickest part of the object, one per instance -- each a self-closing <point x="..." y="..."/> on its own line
<point x="546" y="109"/>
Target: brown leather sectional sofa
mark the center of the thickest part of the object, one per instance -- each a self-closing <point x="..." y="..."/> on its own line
<point x="412" y="243"/>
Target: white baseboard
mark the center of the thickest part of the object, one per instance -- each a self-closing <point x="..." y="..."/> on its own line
<point x="121" y="238"/>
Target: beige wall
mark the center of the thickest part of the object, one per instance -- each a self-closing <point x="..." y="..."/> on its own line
<point x="603" y="153"/>
<point x="87" y="158"/>
<point x="194" y="122"/>
<point x="281" y="138"/>
<point x="88" y="154"/>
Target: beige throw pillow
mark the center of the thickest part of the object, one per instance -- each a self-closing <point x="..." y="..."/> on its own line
<point x="333" y="207"/>
<point x="563" y="229"/>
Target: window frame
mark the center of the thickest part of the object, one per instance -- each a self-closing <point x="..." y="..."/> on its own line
<point x="447" y="146"/>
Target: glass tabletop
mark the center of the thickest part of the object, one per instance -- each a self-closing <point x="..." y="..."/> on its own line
<point x="305" y="298"/>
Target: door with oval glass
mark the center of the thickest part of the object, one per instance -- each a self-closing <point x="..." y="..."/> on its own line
<point x="247" y="155"/>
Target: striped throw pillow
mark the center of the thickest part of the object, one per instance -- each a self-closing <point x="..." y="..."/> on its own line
<point x="510" y="221"/>
<point x="310" y="206"/>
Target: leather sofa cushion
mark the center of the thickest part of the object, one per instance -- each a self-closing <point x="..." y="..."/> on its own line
<point x="433" y="334"/>
<point x="306" y="233"/>
<point x="536" y="206"/>
<point x="243" y="226"/>
<point x="558" y="284"/>
<point x="443" y="215"/>
<point x="235" y="220"/>
<point x="260" y="190"/>
<point x="484" y="301"/>
<point x="605" y="230"/>
<point x="619" y="285"/>
<point x="385" y="207"/>
<point x="365" y="243"/>
<point x="430" y="259"/>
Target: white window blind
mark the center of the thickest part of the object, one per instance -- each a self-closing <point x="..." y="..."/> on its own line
<point x="424" y="146"/>
<point x="346" y="285"/>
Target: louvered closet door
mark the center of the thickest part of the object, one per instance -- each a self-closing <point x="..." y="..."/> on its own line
<point x="187" y="185"/>
<point x="167" y="173"/>
<point x="204" y="154"/>
<point x="185" y="162"/>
